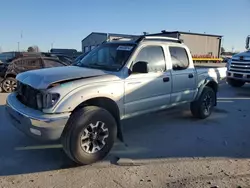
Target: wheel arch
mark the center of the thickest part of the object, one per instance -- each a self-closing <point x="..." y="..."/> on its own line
<point x="108" y="104"/>
<point x="209" y="82"/>
<point x="12" y="75"/>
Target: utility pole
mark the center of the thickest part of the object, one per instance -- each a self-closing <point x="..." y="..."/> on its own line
<point x="52" y="44"/>
<point x="21" y="37"/>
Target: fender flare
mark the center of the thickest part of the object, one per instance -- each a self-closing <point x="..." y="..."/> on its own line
<point x="208" y="82"/>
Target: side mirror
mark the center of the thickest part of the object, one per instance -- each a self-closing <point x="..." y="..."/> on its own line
<point x="140" y="67"/>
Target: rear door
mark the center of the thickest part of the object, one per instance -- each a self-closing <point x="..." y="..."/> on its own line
<point x="183" y="75"/>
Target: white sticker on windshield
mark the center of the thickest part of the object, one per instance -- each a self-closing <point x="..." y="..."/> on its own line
<point x="126" y="48"/>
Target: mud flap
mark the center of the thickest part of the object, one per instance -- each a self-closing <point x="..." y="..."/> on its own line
<point x="119" y="132"/>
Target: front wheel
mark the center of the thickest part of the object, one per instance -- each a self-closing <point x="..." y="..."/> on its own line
<point x="235" y="83"/>
<point x="9" y="84"/>
<point x="203" y="107"/>
<point x="89" y="135"/>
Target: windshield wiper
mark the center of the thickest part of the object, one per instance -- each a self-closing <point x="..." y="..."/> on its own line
<point x="100" y="66"/>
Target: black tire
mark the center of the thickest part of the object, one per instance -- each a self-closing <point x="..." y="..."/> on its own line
<point x="198" y="107"/>
<point x="76" y="126"/>
<point x="9" y="84"/>
<point x="235" y="83"/>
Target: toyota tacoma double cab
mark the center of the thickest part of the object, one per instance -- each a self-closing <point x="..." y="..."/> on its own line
<point x="83" y="105"/>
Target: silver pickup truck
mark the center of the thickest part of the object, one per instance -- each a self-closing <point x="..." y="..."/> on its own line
<point x="83" y="105"/>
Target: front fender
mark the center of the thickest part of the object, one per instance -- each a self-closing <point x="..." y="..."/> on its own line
<point x="72" y="99"/>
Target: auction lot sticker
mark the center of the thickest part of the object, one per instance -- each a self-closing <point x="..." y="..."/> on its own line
<point x="125" y="48"/>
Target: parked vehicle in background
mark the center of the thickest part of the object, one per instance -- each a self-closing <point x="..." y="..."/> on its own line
<point x="6" y="57"/>
<point x="31" y="61"/>
<point x="238" y="68"/>
<point x="64" y="58"/>
<point x="72" y="53"/>
<point x="83" y="105"/>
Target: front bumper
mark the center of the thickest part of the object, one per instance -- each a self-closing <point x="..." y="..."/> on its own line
<point x="33" y="122"/>
<point x="239" y="76"/>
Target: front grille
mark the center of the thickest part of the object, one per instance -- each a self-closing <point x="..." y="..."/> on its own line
<point x="240" y="66"/>
<point x="27" y="95"/>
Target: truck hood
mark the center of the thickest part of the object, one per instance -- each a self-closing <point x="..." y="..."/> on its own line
<point x="42" y="78"/>
<point x="244" y="54"/>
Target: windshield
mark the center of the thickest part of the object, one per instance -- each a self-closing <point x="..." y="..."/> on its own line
<point x="109" y="56"/>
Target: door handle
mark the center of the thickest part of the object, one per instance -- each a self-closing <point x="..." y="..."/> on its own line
<point x="191" y="75"/>
<point x="166" y="79"/>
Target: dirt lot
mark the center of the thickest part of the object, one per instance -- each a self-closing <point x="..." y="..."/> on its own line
<point x="165" y="149"/>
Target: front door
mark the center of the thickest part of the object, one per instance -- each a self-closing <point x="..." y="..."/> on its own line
<point x="183" y="76"/>
<point x="148" y="91"/>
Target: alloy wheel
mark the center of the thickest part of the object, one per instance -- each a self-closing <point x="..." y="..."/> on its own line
<point x="207" y="103"/>
<point x="93" y="137"/>
<point x="9" y="85"/>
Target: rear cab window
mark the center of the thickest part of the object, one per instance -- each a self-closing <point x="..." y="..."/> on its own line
<point x="179" y="58"/>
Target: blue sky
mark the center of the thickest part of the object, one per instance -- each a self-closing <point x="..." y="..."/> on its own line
<point x="65" y="23"/>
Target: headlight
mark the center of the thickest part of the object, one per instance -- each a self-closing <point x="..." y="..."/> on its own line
<point x="47" y="100"/>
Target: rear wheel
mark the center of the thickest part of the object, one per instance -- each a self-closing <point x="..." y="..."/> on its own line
<point x="235" y="83"/>
<point x="89" y="135"/>
<point x="9" y="84"/>
<point x="203" y="107"/>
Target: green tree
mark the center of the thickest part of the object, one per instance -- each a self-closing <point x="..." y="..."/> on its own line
<point x="33" y="49"/>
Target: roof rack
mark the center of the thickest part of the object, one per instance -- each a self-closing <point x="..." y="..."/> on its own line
<point x="122" y="38"/>
<point x="169" y="39"/>
<point x="161" y="37"/>
<point x="142" y="37"/>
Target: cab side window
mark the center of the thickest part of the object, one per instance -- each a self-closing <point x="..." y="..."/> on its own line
<point x="179" y="58"/>
<point x="154" y="56"/>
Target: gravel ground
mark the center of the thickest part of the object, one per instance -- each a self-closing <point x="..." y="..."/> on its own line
<point x="164" y="149"/>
